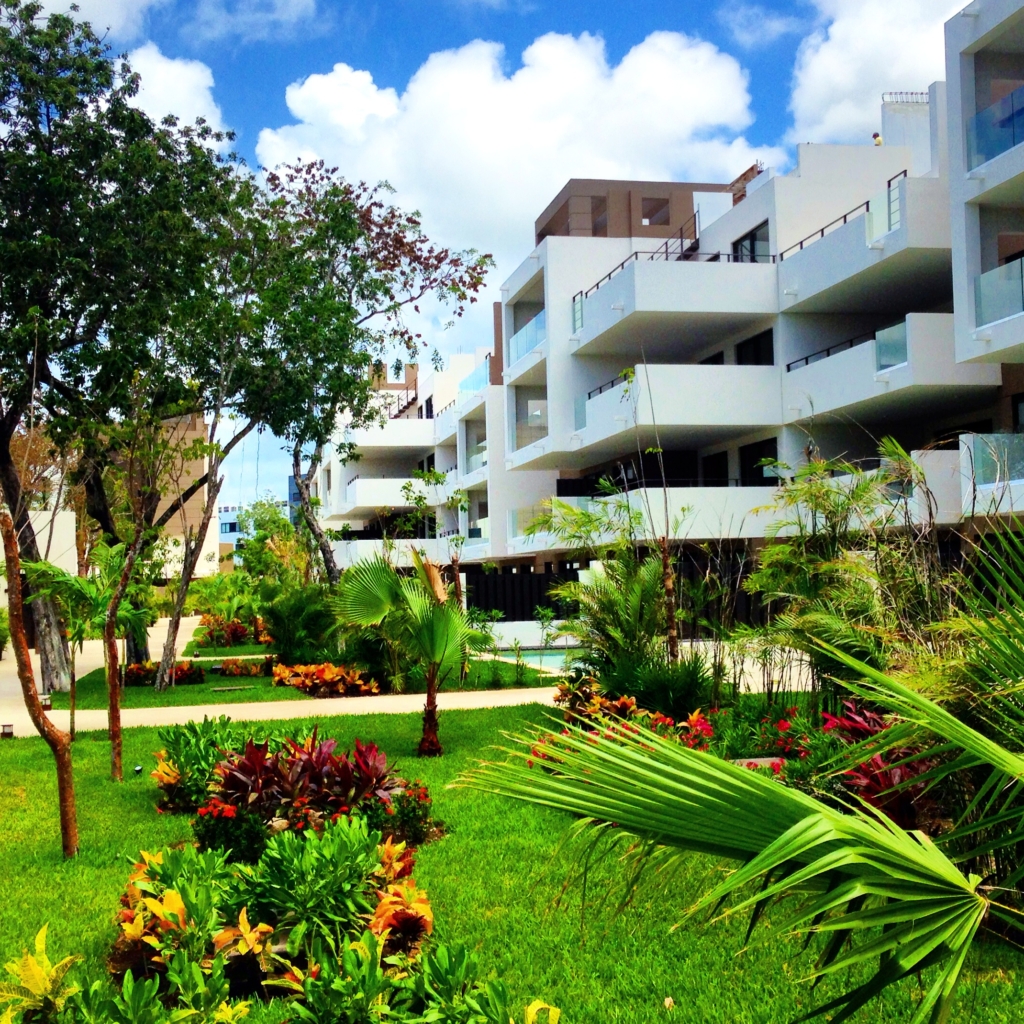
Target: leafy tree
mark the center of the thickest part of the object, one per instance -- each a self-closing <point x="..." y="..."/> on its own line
<point x="356" y="266"/>
<point x="100" y="235"/>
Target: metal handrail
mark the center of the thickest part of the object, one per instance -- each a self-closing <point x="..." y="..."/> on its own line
<point x="614" y="382"/>
<point x="838" y="222"/>
<point x="688" y="256"/>
<point x="403" y="400"/>
<point x="441" y="412"/>
<point x="832" y="350"/>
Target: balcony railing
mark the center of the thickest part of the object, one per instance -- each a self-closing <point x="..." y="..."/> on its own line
<point x="832" y="350"/>
<point x="479" y="529"/>
<point x="398" y="402"/>
<point x="520" y="518"/>
<point x="998" y="458"/>
<point x="891" y="347"/>
<point x="607" y="386"/>
<point x="884" y="213"/>
<point x="995" y="129"/>
<point x="476" y="381"/>
<point x="476" y="457"/>
<point x="999" y="293"/>
<point x="884" y="217"/>
<point x="527" y="338"/>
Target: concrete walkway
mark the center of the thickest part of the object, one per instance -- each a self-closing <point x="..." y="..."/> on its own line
<point x="390" y="704"/>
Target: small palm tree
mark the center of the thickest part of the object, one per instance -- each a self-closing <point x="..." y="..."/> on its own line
<point x="424" y="618"/>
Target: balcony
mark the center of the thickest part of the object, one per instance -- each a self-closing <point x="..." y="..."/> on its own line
<point x="999" y="293"/>
<point x="479" y="530"/>
<point x="395" y="439"/>
<point x="471" y="386"/>
<point x="893" y="250"/>
<point x="365" y="495"/>
<point x="992" y="474"/>
<point x="526" y="339"/>
<point x="657" y="302"/>
<point x="476" y="457"/>
<point x="349" y="552"/>
<point x="995" y="129"/>
<point x="446" y="425"/>
<point x="907" y="369"/>
<point x="689" y="406"/>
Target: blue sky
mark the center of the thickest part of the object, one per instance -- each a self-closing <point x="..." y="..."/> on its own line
<point x="477" y="111"/>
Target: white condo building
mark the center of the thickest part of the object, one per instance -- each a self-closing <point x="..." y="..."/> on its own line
<point x="871" y="290"/>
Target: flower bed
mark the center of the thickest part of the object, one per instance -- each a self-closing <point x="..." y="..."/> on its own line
<point x="185" y="673"/>
<point x="325" y="680"/>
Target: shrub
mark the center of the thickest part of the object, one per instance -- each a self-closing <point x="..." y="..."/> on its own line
<point x="318" y="885"/>
<point x="406" y="817"/>
<point x="186" y="673"/>
<point x="5" y="630"/>
<point x="239" y="833"/>
<point x="221" y="632"/>
<point x="675" y="690"/>
<point x="234" y="668"/>
<point x="326" y="783"/>
<point x="325" y="680"/>
<point x="301" y="621"/>
<point x="186" y="763"/>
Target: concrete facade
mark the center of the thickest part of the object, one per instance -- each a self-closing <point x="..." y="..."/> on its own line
<point x="785" y="316"/>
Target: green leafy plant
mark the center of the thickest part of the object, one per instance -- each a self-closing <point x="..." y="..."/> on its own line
<point x="5" y="631"/>
<point x="39" y="989"/>
<point x="319" y="886"/>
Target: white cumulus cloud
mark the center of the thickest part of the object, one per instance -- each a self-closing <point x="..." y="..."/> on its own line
<point x="861" y="49"/>
<point x="481" y="150"/>
<point x="124" y="19"/>
<point x="752" y="25"/>
<point x="251" y="19"/>
<point x="176" y="86"/>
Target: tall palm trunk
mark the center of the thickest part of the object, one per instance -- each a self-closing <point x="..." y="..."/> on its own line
<point x="58" y="741"/>
<point x="430" y="743"/>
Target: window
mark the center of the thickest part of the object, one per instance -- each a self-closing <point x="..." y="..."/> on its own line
<point x="428" y="409"/>
<point x="229" y="527"/>
<point x="757" y="351"/>
<point x="599" y="216"/>
<point x="714" y="470"/>
<point x="752" y="247"/>
<point x="531" y="415"/>
<point x="718" y="359"/>
<point x="752" y="474"/>
<point x="654" y="213"/>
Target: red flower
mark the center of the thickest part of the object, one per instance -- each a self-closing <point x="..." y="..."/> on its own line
<point x="784" y="725"/>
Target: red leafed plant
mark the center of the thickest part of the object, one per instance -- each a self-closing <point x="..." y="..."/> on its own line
<point x="310" y="776"/>
<point x="883" y="782"/>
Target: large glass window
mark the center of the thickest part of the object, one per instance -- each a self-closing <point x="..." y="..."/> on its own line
<point x="752" y="247"/>
<point x="757" y="351"/>
<point x="752" y="473"/>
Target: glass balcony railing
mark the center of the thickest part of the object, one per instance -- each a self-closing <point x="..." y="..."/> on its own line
<point x="520" y="518"/>
<point x="999" y="293"/>
<point x="891" y="346"/>
<point x="996" y="129"/>
<point x="479" y="529"/>
<point x="476" y="457"/>
<point x="527" y="338"/>
<point x="998" y="458"/>
<point x="476" y="381"/>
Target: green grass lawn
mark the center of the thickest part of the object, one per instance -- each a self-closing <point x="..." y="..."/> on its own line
<point x="92" y="688"/>
<point x="494" y="882"/>
<point x="193" y="650"/>
<point x="92" y="693"/>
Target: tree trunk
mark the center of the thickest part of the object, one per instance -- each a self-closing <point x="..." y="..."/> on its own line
<point x="136" y="652"/>
<point x="59" y="742"/>
<point x="110" y="650"/>
<point x="72" y="699"/>
<point x="669" y="579"/>
<point x="190" y="559"/>
<point x="430" y="744"/>
<point x="53" y="662"/>
<point x="458" y="579"/>
<point x="302" y="482"/>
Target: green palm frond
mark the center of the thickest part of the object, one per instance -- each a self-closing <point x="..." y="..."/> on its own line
<point x="369" y="590"/>
<point x="894" y="897"/>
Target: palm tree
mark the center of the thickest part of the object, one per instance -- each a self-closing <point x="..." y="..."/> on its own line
<point x="423" y="616"/>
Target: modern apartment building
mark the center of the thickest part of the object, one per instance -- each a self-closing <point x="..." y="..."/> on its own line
<point x="871" y="290"/>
